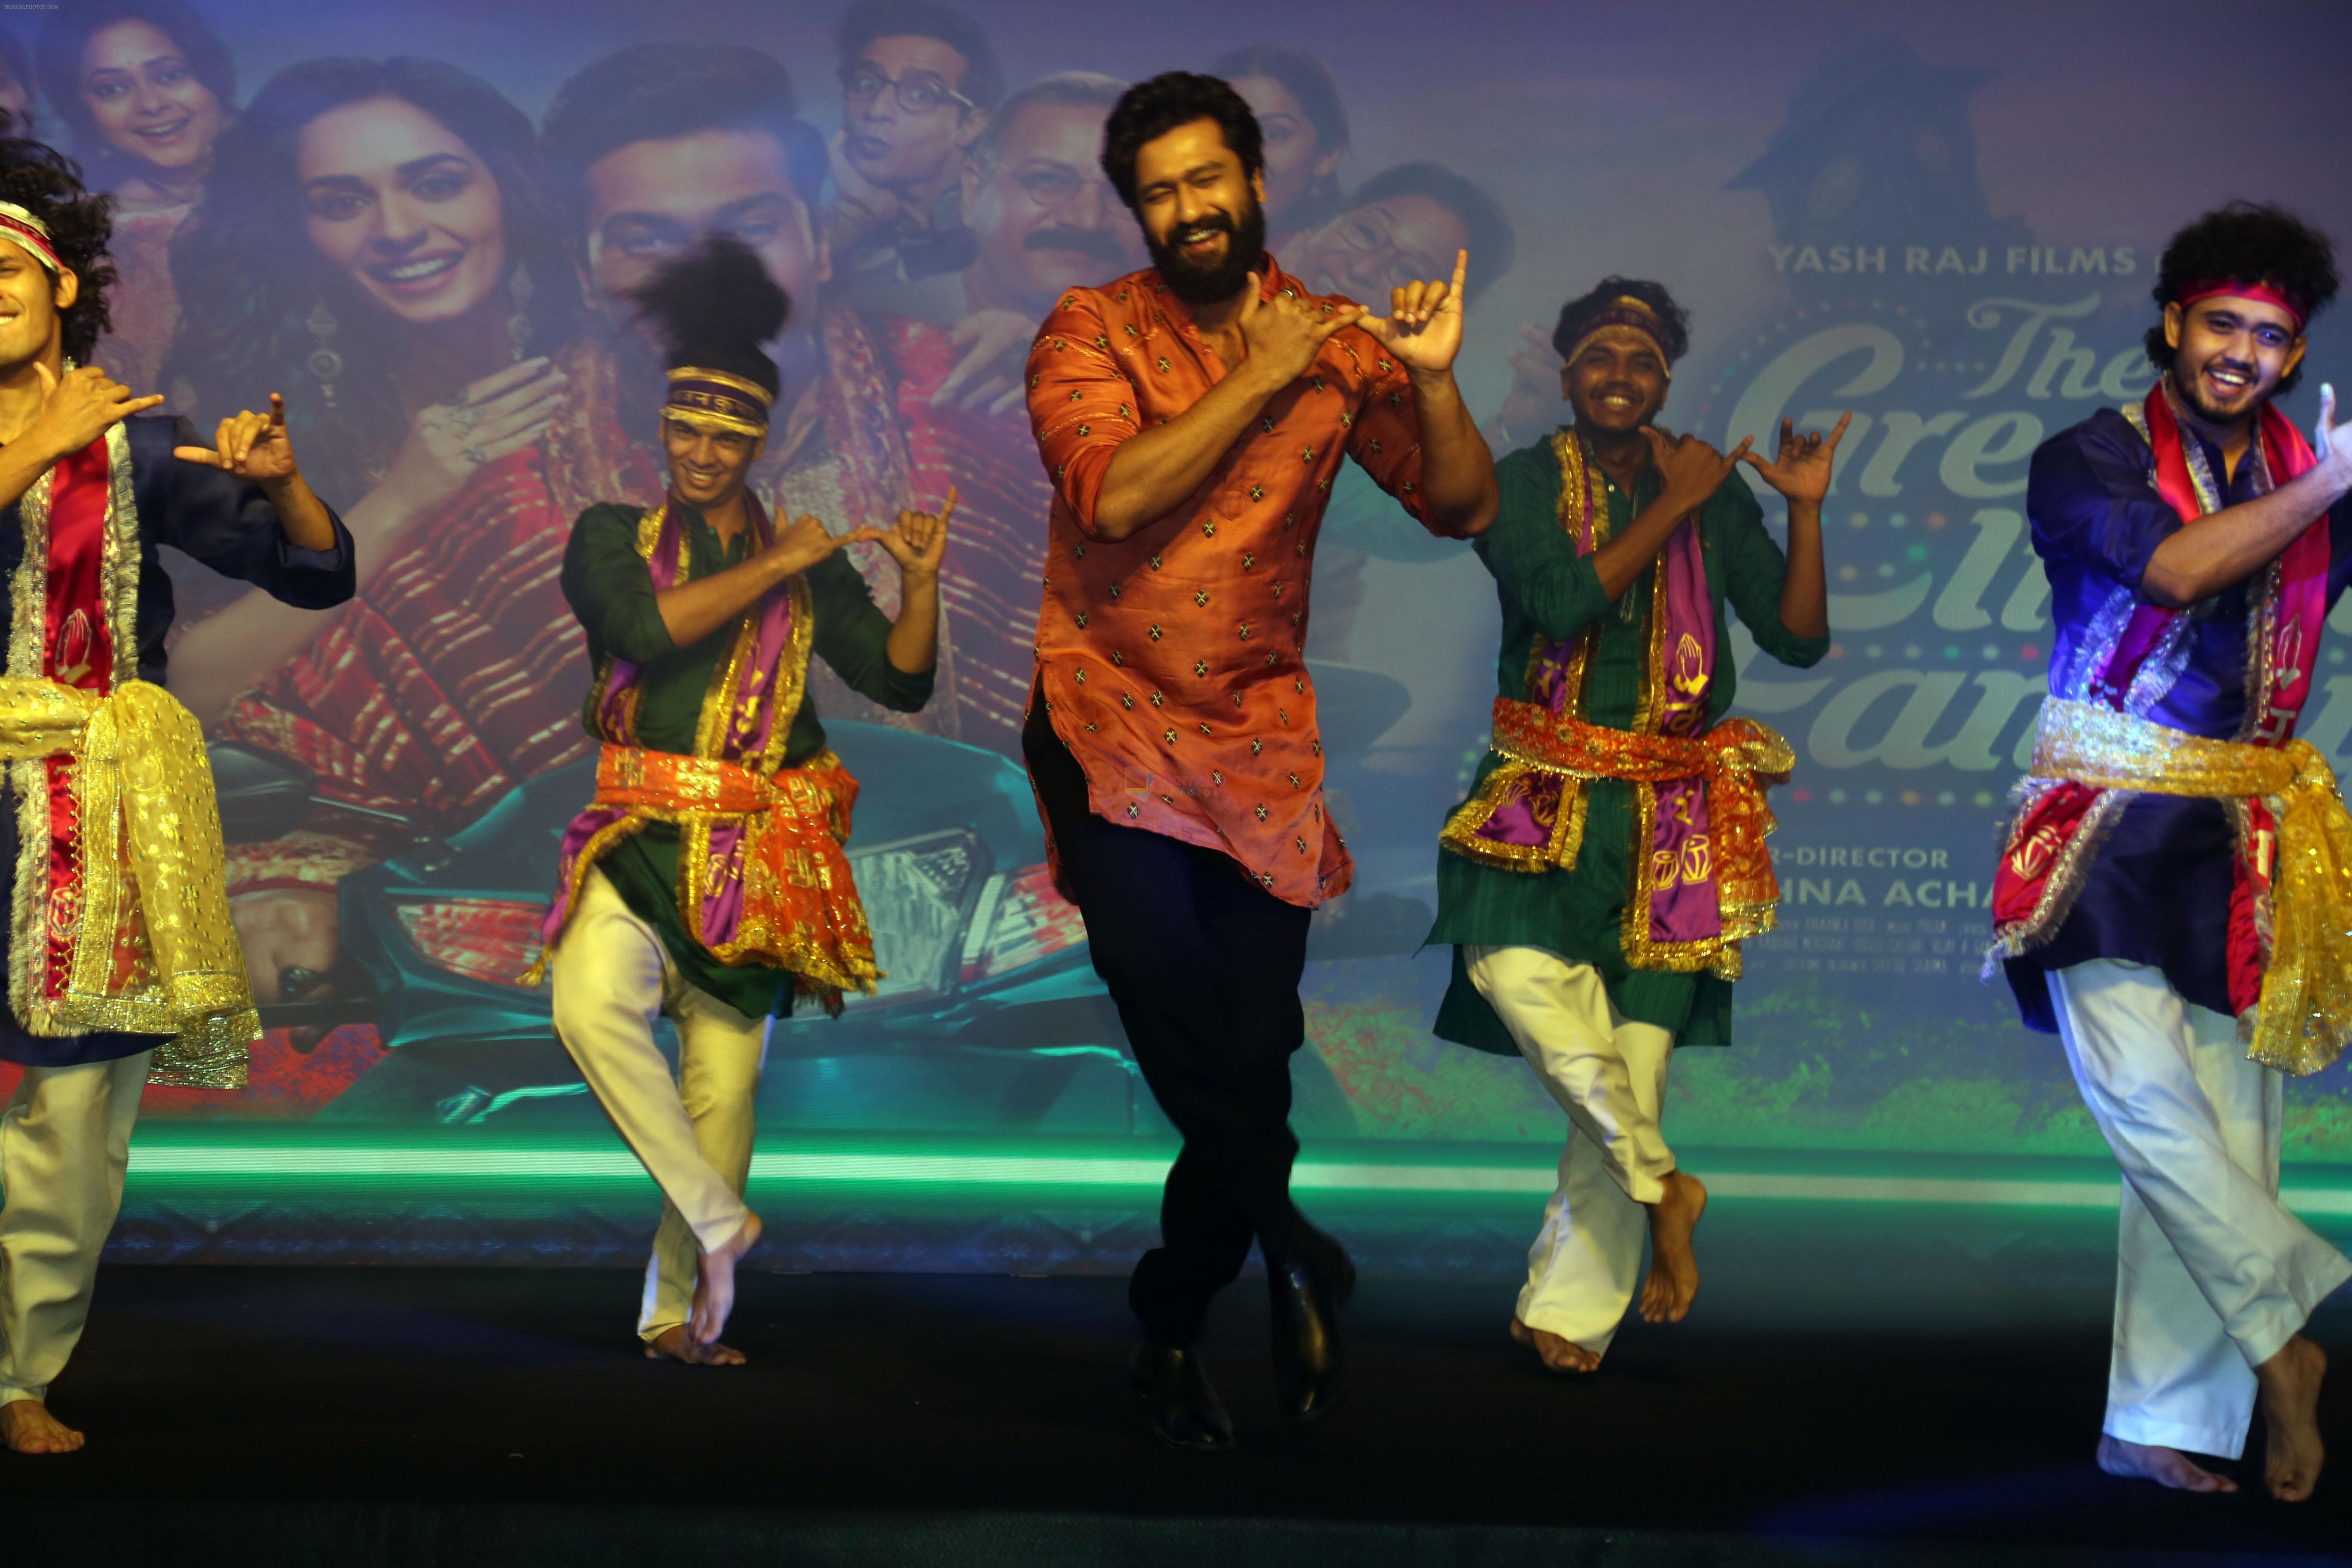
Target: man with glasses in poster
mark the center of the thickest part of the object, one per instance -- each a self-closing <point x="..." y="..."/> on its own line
<point x="919" y="81"/>
<point x="1043" y="220"/>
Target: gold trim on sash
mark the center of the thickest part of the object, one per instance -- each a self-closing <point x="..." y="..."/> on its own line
<point x="154" y="950"/>
<point x="2305" y="1019"/>
<point x="1734" y="760"/>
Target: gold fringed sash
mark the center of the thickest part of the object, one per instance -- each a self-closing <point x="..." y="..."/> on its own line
<point x="2304" y="1018"/>
<point x="154" y="950"/>
<point x="1737" y="760"/>
<point x="799" y="910"/>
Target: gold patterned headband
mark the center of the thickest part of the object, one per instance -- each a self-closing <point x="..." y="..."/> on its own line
<point x="717" y="401"/>
<point x="1626" y="311"/>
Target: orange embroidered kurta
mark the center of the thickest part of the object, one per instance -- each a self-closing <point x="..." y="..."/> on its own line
<point x="1172" y="660"/>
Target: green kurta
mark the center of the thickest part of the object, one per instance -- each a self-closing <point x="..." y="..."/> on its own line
<point x="1548" y="589"/>
<point x="610" y="587"/>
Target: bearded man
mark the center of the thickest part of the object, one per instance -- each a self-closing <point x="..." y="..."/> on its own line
<point x="1193" y="417"/>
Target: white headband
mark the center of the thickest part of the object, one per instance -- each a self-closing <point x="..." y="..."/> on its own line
<point x="18" y="225"/>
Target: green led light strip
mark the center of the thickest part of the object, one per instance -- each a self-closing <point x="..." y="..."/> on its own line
<point x="1145" y="1173"/>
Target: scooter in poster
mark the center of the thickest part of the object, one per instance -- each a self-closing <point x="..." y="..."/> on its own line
<point x="991" y="1018"/>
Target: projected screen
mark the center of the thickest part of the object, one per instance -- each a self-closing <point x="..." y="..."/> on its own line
<point x="1943" y="220"/>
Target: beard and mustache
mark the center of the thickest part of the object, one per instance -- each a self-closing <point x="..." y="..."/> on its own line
<point x="1198" y="285"/>
<point x="2191" y="390"/>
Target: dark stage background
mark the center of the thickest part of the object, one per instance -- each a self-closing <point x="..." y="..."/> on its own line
<point x="1943" y="218"/>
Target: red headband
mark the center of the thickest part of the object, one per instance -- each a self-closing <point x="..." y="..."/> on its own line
<point x="21" y="227"/>
<point x="2235" y="289"/>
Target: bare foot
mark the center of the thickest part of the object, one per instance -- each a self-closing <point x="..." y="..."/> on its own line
<point x="28" y="1427"/>
<point x="1558" y="1353"/>
<point x="2289" y="1385"/>
<point x="714" y="1284"/>
<point x="2165" y="1466"/>
<point x="1666" y="1294"/>
<point x="674" y="1343"/>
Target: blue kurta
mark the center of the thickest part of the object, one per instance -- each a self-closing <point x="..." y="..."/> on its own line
<point x="230" y="526"/>
<point x="2157" y="890"/>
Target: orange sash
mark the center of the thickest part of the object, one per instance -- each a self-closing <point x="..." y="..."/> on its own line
<point x="778" y="848"/>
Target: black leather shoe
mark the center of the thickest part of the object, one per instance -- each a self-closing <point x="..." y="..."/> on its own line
<point x="1309" y="1288"/>
<point x="1185" y="1411"/>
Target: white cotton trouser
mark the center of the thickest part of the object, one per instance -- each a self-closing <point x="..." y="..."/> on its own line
<point x="694" y="1131"/>
<point x="64" y="1144"/>
<point x="1609" y="1075"/>
<point x="2213" y="1275"/>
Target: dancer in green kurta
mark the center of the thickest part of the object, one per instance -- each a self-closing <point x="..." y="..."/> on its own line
<point x="707" y="878"/>
<point x="1599" y="880"/>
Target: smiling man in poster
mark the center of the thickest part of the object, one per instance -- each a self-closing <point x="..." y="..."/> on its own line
<point x="2173" y="900"/>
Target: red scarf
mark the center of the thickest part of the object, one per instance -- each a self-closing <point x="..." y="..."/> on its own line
<point x="2042" y="867"/>
<point x="76" y="650"/>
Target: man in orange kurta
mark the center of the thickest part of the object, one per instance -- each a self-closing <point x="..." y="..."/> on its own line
<point x="1191" y="417"/>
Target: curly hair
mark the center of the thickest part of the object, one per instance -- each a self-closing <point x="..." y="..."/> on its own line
<point x="2246" y="242"/>
<point x="1150" y="109"/>
<point x="58" y="53"/>
<point x="1577" y="313"/>
<point x="48" y="183"/>
<point x="249" y="276"/>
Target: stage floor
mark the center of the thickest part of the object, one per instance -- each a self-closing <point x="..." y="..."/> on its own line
<point x="358" y="1417"/>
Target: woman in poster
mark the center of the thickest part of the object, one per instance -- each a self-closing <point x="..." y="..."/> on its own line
<point x="16" y="86"/>
<point x="1305" y="123"/>
<point x="145" y="89"/>
<point x="376" y="244"/>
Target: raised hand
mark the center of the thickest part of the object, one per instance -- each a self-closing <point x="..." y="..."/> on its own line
<point x="1285" y="333"/>
<point x="918" y="540"/>
<point x="497" y="415"/>
<point x="79" y="407"/>
<point x="250" y="446"/>
<point x="858" y="203"/>
<point x="2331" y="438"/>
<point x="1800" y="469"/>
<point x="1424" y="326"/>
<point x="995" y="345"/>
<point x="1692" y="469"/>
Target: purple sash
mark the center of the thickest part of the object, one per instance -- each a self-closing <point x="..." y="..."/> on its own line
<point x="743" y="722"/>
<point x="1531" y="818"/>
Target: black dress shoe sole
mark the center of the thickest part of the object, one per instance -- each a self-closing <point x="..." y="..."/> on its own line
<point x="1227" y="1447"/>
<point x="1140" y="1387"/>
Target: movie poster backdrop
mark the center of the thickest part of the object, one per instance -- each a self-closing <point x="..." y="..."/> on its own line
<point x="417" y="219"/>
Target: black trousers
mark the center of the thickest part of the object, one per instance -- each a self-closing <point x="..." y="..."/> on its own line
<point x="1203" y="965"/>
